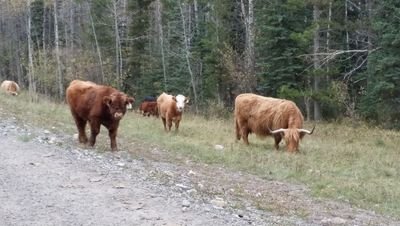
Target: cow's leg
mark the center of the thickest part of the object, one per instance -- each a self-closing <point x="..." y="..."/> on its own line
<point x="164" y="122"/>
<point x="81" y="125"/>
<point x="169" y="124"/>
<point x="177" y="125"/>
<point x="238" y="136"/>
<point x="278" y="138"/>
<point x="245" y="135"/>
<point x="94" y="131"/>
<point x="112" y="133"/>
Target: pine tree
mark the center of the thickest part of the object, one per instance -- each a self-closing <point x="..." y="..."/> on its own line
<point x="282" y="37"/>
<point x="382" y="99"/>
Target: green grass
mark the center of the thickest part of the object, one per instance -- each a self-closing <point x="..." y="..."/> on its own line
<point x="356" y="164"/>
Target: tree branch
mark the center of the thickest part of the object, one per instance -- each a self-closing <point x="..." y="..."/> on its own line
<point x="339" y="52"/>
<point x="348" y="74"/>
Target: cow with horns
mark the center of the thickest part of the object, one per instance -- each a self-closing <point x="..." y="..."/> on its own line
<point x="267" y="116"/>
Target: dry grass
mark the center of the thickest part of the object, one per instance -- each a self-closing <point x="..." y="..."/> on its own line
<point x="355" y="163"/>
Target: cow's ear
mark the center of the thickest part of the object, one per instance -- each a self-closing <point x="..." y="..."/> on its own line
<point x="107" y="100"/>
<point x="174" y="98"/>
<point x="187" y="100"/>
<point x="129" y="102"/>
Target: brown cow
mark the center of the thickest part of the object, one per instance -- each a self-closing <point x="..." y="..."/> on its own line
<point x="258" y="114"/>
<point x="170" y="109"/>
<point x="100" y="105"/>
<point x="10" y="87"/>
<point x="148" y="108"/>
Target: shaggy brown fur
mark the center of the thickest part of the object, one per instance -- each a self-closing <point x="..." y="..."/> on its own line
<point x="10" y="87"/>
<point x="100" y="105"/>
<point x="168" y="110"/>
<point x="259" y="115"/>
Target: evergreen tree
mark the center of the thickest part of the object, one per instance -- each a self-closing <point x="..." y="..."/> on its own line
<point x="382" y="99"/>
<point x="138" y="78"/>
<point x="282" y="37"/>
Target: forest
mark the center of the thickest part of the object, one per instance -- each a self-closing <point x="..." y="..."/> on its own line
<point x="335" y="58"/>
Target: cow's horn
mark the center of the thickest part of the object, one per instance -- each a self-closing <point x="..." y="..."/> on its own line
<point x="277" y="130"/>
<point x="306" y="131"/>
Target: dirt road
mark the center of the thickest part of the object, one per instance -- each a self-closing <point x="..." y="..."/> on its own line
<point x="42" y="184"/>
<point x="45" y="179"/>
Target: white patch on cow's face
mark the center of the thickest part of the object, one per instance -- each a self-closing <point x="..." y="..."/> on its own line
<point x="180" y="102"/>
<point x="129" y="106"/>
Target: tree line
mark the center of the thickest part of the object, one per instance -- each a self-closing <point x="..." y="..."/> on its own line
<point x="334" y="58"/>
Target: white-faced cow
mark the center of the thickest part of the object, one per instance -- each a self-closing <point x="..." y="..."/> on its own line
<point x="170" y="109"/>
<point x="269" y="116"/>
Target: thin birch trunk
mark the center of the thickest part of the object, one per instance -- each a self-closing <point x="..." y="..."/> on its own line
<point x="369" y="10"/>
<point x="56" y="43"/>
<point x="97" y="44"/>
<point x="328" y="36"/>
<point x="118" y="66"/>
<point x="44" y="39"/>
<point x="250" y="38"/>
<point x="66" y="35"/>
<point x="346" y="22"/>
<point x="248" y="20"/>
<point x="317" y="63"/>
<point x="31" y="72"/>
<point x="196" y="16"/>
<point x="187" y="56"/>
<point x="161" y="37"/>
<point x="18" y="63"/>
<point x="71" y="25"/>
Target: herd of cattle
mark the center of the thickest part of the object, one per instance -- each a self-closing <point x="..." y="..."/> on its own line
<point x="104" y="105"/>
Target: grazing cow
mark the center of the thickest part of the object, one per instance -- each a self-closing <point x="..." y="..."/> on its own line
<point x="149" y="98"/>
<point x="10" y="87"/>
<point x="258" y="114"/>
<point x="148" y="108"/>
<point x="170" y="109"/>
<point x="100" y="105"/>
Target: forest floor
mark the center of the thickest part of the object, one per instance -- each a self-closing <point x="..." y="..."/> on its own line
<point x="47" y="179"/>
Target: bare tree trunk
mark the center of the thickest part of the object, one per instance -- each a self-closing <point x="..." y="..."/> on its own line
<point x="44" y="40"/>
<point x="57" y="51"/>
<point x="187" y="55"/>
<point x="369" y="9"/>
<point x="307" y="102"/>
<point x="328" y="36"/>
<point x="18" y="63"/>
<point x="31" y="72"/>
<point x="248" y="18"/>
<point x="118" y="66"/>
<point x="97" y="44"/>
<point x="67" y="16"/>
<point x="346" y="22"/>
<point x="62" y="15"/>
<point x="71" y="25"/>
<point x="161" y="37"/>
<point x="196" y="16"/>
<point x="317" y="63"/>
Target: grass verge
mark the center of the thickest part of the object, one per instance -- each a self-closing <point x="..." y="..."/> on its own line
<point x="356" y="164"/>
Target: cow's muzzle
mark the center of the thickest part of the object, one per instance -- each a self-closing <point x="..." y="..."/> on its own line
<point x="118" y="115"/>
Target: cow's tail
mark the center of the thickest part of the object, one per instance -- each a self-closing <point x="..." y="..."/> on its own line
<point x="237" y="129"/>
